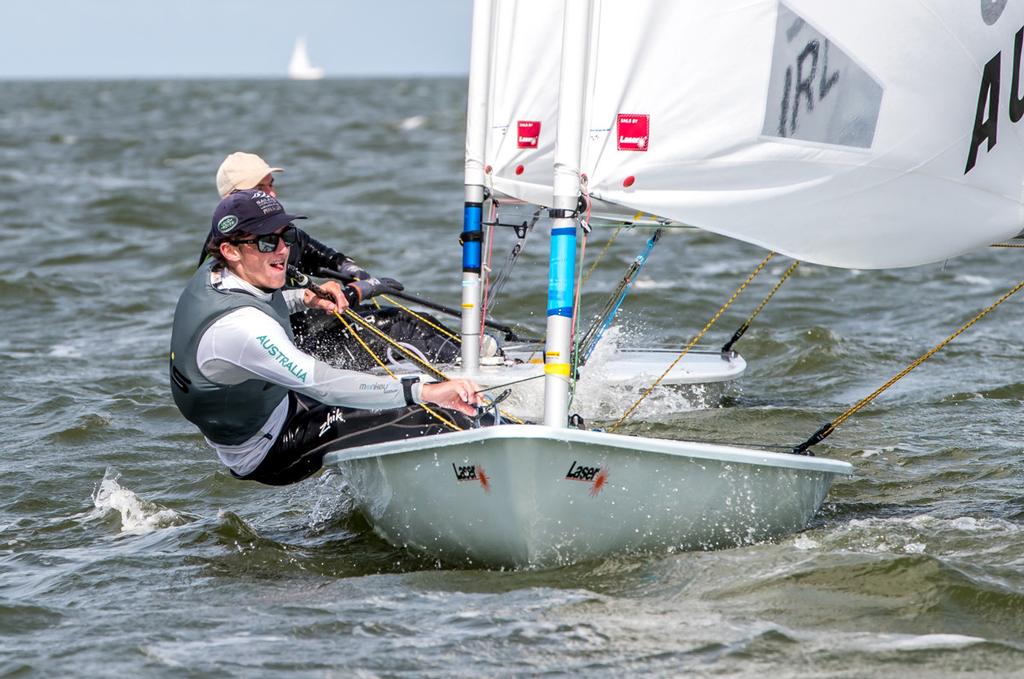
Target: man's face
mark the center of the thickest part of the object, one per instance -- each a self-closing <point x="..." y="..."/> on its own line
<point x="266" y="185"/>
<point x="265" y="270"/>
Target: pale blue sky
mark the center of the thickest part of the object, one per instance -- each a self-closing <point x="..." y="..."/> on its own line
<point x="213" y="38"/>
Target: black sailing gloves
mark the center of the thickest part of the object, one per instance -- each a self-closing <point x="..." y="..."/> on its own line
<point x="349" y="268"/>
<point x="371" y="287"/>
<point x="310" y="255"/>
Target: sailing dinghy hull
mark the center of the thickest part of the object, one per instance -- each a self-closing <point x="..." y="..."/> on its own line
<point x="536" y="496"/>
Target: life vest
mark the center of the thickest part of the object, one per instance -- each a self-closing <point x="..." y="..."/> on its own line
<point x="226" y="414"/>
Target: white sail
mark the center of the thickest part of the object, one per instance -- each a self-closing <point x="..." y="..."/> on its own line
<point x="864" y="135"/>
<point x="523" y="106"/>
<point x="299" y="67"/>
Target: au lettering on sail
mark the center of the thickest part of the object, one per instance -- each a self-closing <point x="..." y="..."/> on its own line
<point x="986" y="119"/>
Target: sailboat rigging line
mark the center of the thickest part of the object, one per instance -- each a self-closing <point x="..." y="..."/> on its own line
<point x="351" y="331"/>
<point x="727" y="347"/>
<point x="693" y="342"/>
<point x="579" y="279"/>
<point x="611" y="308"/>
<point x="362" y="322"/>
<point x="509" y="384"/>
<point x="510" y="261"/>
<point x="304" y="281"/>
<point x="583" y="205"/>
<point x="423" y="319"/>
<point x="830" y="427"/>
<point x="485" y="269"/>
<point x="352" y="315"/>
<point x="510" y="334"/>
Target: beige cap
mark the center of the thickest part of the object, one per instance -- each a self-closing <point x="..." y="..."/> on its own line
<point x="242" y="170"/>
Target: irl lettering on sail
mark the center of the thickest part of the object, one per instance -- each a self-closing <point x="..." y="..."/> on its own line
<point x="275" y="353"/>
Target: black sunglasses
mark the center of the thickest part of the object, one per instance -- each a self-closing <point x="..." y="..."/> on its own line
<point x="268" y="243"/>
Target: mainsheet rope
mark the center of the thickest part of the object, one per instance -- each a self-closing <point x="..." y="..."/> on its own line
<point x="373" y="355"/>
<point x="423" y="319"/>
<point x="409" y="354"/>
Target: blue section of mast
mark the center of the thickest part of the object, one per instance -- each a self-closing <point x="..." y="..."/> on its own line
<point x="561" y="271"/>
<point x="471" y="237"/>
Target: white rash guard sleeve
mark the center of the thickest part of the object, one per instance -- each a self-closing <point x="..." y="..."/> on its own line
<point x="248" y="343"/>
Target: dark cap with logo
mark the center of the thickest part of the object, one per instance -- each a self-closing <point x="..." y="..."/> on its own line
<point x="248" y="212"/>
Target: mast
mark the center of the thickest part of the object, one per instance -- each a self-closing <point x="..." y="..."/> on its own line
<point x="565" y="198"/>
<point x="476" y="137"/>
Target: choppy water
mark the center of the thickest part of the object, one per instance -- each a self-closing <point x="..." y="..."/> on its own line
<point x="126" y="549"/>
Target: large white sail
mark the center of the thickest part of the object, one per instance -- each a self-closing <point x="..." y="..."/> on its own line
<point x="869" y="134"/>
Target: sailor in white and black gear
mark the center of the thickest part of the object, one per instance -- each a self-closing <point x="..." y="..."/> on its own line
<point x="319" y="335"/>
<point x="270" y="410"/>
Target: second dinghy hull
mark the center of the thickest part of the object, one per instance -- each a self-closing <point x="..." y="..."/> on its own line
<point x="535" y="496"/>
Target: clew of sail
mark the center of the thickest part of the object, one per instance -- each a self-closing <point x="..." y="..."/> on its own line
<point x="860" y="135"/>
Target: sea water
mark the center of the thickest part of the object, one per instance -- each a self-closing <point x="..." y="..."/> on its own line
<point x="127" y="550"/>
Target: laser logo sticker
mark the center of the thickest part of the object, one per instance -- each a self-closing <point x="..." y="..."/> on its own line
<point x="529" y="134"/>
<point x="633" y="131"/>
<point x="472" y="472"/>
<point x="597" y="477"/>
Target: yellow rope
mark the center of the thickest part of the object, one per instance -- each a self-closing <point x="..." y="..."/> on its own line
<point x="351" y="331"/>
<point x="829" y="428"/>
<point x="440" y="328"/>
<point x="387" y="338"/>
<point x="1007" y="245"/>
<point x="384" y="336"/>
<point x="742" y="330"/>
<point x="694" y="341"/>
<point x="764" y="302"/>
<point x="601" y="254"/>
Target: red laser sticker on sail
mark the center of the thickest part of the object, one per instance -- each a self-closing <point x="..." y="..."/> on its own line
<point x="528" y="134"/>
<point x="633" y="131"/>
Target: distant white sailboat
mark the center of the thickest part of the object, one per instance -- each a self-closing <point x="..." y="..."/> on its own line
<point x="300" y="68"/>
